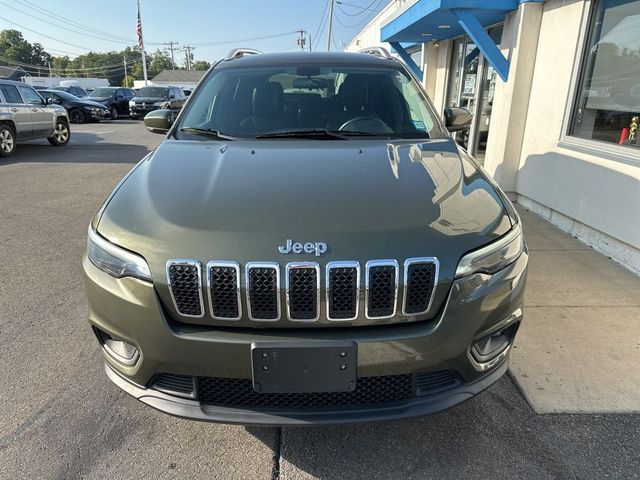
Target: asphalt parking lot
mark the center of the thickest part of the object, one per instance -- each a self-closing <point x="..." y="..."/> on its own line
<point x="60" y="418"/>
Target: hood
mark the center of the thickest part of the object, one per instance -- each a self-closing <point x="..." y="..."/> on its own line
<point x="89" y="103"/>
<point x="365" y="199"/>
<point x="98" y="99"/>
<point x="149" y="99"/>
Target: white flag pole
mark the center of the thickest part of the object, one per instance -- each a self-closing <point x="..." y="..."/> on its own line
<point x="141" y="45"/>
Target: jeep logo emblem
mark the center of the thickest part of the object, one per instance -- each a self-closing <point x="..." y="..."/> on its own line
<point x="317" y="248"/>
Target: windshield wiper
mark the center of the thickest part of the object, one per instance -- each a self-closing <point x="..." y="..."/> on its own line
<point x="355" y="133"/>
<point x="206" y="132"/>
<point x="311" y="133"/>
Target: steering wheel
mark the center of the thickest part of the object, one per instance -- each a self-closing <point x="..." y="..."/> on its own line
<point x="374" y="122"/>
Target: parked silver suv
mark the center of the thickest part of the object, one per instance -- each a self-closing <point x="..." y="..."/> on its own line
<point x="25" y="115"/>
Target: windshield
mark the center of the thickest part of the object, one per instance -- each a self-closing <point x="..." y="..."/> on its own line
<point x="253" y="102"/>
<point x="102" y="92"/>
<point x="157" y="92"/>
<point x="66" y="96"/>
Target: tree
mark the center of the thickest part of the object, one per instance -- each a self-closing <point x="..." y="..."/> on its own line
<point x="201" y="65"/>
<point x="14" y="49"/>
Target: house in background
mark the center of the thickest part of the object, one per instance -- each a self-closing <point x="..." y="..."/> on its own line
<point x="12" y="73"/>
<point x="174" y="78"/>
<point x="553" y="87"/>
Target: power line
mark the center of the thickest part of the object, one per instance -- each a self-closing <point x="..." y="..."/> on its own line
<point x="43" y="35"/>
<point x="320" y="26"/>
<point x="366" y="18"/>
<point x="83" y="69"/>
<point x="67" y="29"/>
<point x="362" y="9"/>
<point x="265" y="37"/>
<point x="71" y="22"/>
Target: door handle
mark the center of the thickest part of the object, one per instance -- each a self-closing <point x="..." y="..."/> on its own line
<point x="14" y="109"/>
<point x="34" y="109"/>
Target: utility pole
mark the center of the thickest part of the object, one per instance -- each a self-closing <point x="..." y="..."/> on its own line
<point x="124" y="59"/>
<point x="171" y="46"/>
<point x="310" y="42"/>
<point x="330" y="26"/>
<point x="188" y="55"/>
<point x="301" y="40"/>
<point x="50" y="72"/>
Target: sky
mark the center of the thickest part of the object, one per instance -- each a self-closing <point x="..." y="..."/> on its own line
<point x="203" y="24"/>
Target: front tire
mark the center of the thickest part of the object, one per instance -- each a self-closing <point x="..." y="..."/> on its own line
<point x="61" y="134"/>
<point x="7" y="141"/>
<point x="77" y="116"/>
<point x="114" y="112"/>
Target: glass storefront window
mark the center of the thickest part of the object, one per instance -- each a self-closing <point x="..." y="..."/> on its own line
<point x="608" y="95"/>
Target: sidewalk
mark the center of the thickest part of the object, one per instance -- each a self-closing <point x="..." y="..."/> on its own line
<point x="578" y="349"/>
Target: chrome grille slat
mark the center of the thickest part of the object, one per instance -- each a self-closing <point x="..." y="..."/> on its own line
<point x="184" y="278"/>
<point x="263" y="291"/>
<point x="343" y="290"/>
<point x="381" y="289"/>
<point x="223" y="290"/>
<point x="420" y="282"/>
<point x="303" y="291"/>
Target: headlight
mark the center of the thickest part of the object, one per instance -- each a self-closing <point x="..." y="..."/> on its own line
<point x="493" y="257"/>
<point x="132" y="103"/>
<point x="114" y="260"/>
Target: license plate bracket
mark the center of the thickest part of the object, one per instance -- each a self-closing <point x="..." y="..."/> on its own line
<point x="304" y="367"/>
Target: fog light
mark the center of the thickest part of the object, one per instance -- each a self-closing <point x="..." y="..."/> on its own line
<point x="488" y="347"/>
<point x="118" y="349"/>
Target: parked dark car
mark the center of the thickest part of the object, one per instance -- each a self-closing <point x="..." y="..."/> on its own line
<point x="148" y="99"/>
<point x="73" y="90"/>
<point x="79" y="109"/>
<point x="116" y="99"/>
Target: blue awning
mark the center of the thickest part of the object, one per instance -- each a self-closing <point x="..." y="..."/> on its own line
<point x="429" y="20"/>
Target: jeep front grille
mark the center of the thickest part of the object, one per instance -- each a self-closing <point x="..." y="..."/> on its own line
<point x="343" y="287"/>
<point x="382" y="288"/>
<point x="263" y="291"/>
<point x="303" y="291"/>
<point x="224" y="290"/>
<point x="185" y="285"/>
<point x="305" y="300"/>
<point x="420" y="279"/>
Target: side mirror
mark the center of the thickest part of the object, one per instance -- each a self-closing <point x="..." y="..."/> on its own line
<point x="159" y="121"/>
<point x="457" y="119"/>
<point x="172" y="96"/>
<point x="48" y="101"/>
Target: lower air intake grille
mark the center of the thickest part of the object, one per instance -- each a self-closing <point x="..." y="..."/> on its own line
<point x="184" y="282"/>
<point x="223" y="290"/>
<point x="342" y="293"/>
<point x="381" y="291"/>
<point x="262" y="291"/>
<point x="174" y="384"/>
<point x="303" y="284"/>
<point x="433" y="382"/>
<point x="420" y="277"/>
<point x="235" y="392"/>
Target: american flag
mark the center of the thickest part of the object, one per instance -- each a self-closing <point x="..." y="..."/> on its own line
<point x="139" y="30"/>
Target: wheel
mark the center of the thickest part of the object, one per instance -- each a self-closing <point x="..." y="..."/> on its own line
<point x="134" y="117"/>
<point x="114" y="112"/>
<point x="61" y="134"/>
<point x="77" y="116"/>
<point x="7" y="141"/>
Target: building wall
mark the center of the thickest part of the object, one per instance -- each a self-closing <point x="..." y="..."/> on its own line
<point x="369" y="36"/>
<point x="590" y="192"/>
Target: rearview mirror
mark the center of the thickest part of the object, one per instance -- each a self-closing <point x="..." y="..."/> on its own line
<point x="159" y="121"/>
<point x="457" y="119"/>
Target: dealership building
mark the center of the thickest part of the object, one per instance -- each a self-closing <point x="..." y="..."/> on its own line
<point x="554" y="90"/>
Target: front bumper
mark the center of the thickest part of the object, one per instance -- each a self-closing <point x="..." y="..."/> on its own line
<point x="139" y="111"/>
<point x="99" y="115"/>
<point x="128" y="309"/>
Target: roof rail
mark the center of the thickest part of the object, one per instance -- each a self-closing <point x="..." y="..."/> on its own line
<point x="377" y="51"/>
<point x="241" y="52"/>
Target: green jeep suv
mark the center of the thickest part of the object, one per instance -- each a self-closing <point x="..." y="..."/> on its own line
<point x="307" y="245"/>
